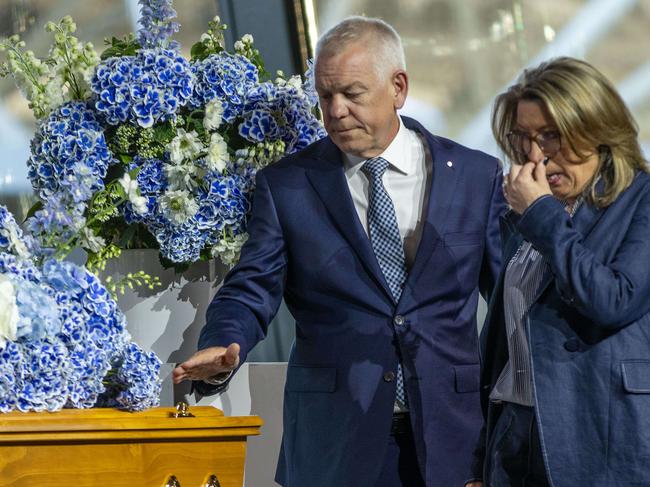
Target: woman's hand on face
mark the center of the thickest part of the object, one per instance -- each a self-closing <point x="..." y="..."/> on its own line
<point x="524" y="184"/>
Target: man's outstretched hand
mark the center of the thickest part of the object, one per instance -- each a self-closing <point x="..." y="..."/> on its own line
<point x="207" y="363"/>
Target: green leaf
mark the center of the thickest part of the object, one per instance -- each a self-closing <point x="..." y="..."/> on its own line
<point x="120" y="47"/>
<point x="125" y="158"/>
<point x="127" y="235"/>
<point x="199" y="51"/>
<point x="37" y="206"/>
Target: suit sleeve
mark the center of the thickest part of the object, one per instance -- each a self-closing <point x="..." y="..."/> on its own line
<point x="252" y="291"/>
<point x="491" y="265"/>
<point x="611" y="294"/>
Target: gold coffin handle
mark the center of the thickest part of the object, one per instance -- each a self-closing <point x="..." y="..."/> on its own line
<point x="172" y="481"/>
<point x="213" y="481"/>
<point x="182" y="410"/>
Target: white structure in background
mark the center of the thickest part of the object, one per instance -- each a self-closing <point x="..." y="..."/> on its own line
<point x="14" y="141"/>
<point x="589" y="25"/>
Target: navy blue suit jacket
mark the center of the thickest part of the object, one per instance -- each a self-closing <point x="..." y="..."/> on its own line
<point x="589" y="335"/>
<point x="307" y="245"/>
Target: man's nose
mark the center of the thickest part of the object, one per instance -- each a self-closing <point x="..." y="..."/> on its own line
<point x="338" y="108"/>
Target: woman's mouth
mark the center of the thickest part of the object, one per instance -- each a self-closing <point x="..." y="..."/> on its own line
<point x="554" y="179"/>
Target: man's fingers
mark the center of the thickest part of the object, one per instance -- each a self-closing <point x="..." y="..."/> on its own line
<point x="207" y="363"/>
<point x="231" y="358"/>
<point x="179" y="374"/>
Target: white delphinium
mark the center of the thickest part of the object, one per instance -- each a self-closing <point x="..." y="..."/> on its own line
<point x="132" y="191"/>
<point x="73" y="61"/>
<point x="217" y="157"/>
<point x="229" y="248"/>
<point x="213" y="115"/>
<point x="185" y="146"/>
<point x="178" y="206"/>
<point x="8" y="310"/>
<point x="30" y="74"/>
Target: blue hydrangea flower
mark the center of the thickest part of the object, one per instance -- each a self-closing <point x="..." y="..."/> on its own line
<point x="69" y="153"/>
<point x="143" y="89"/>
<point x="134" y="382"/>
<point x="227" y="77"/>
<point x="43" y="375"/>
<point x="11" y="236"/>
<point x="280" y="112"/>
<point x="70" y="335"/>
<point x="38" y="312"/>
<point x="90" y="365"/>
<point x="10" y="358"/>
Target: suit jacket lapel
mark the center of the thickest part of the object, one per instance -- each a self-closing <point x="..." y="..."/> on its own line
<point x="443" y="183"/>
<point x="328" y="180"/>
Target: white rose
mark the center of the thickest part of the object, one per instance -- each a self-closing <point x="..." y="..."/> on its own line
<point x="8" y="310"/>
<point x="217" y="153"/>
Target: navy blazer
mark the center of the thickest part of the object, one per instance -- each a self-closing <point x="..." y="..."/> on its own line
<point x="589" y="335"/>
<point x="307" y="245"/>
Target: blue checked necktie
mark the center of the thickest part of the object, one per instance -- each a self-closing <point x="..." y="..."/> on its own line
<point x="386" y="241"/>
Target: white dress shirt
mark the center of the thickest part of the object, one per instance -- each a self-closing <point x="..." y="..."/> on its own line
<point x="407" y="181"/>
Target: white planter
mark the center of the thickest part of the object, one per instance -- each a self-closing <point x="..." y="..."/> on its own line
<point x="168" y="319"/>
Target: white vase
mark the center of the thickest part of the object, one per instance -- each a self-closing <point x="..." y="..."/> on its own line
<point x="168" y="319"/>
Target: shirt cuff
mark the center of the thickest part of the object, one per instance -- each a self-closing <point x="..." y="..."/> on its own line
<point x="219" y="379"/>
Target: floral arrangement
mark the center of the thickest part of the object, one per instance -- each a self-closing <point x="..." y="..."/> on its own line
<point x="63" y="341"/>
<point x="142" y="148"/>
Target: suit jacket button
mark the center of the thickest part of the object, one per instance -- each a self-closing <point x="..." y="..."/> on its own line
<point x="572" y="345"/>
<point x="389" y="376"/>
<point x="399" y="320"/>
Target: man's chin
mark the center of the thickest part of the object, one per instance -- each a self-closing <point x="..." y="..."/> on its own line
<point x="348" y="146"/>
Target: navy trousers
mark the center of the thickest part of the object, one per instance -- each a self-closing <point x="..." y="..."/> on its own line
<point x="514" y="456"/>
<point x="401" y="467"/>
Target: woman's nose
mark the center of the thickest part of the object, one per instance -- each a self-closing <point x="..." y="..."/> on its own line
<point x="535" y="154"/>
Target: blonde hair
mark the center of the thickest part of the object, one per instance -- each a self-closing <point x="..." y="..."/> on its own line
<point x="383" y="42"/>
<point x="588" y="112"/>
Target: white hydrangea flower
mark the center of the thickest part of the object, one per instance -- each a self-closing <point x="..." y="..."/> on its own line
<point x="131" y="189"/>
<point x="8" y="310"/>
<point x="239" y="46"/>
<point x="185" y="146"/>
<point x="229" y="248"/>
<point x="213" y="115"/>
<point x="247" y="39"/>
<point x="90" y="241"/>
<point x="178" y="206"/>
<point x="217" y="157"/>
<point x="295" y="82"/>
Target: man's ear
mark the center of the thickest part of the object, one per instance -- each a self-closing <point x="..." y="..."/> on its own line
<point x="401" y="87"/>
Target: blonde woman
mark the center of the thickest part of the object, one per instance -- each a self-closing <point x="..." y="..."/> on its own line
<point x="566" y="345"/>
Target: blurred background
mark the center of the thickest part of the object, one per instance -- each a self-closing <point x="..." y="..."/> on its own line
<point x="459" y="54"/>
